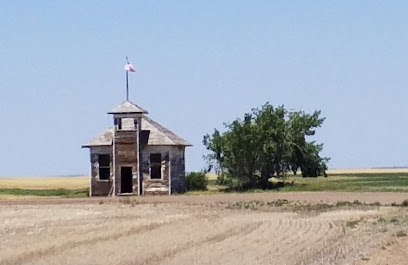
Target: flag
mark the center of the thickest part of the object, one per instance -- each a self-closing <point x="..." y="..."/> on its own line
<point x="129" y="67"/>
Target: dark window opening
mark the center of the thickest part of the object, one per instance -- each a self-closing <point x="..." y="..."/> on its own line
<point x="155" y="166"/>
<point x="118" y="123"/>
<point x="104" y="167"/>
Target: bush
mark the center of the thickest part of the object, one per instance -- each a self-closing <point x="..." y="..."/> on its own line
<point x="224" y="179"/>
<point x="196" y="181"/>
<point x="404" y="203"/>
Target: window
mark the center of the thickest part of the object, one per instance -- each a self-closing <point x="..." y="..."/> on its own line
<point x="118" y="123"/>
<point x="104" y="167"/>
<point x="155" y="166"/>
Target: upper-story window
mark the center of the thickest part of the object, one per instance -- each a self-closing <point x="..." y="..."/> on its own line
<point x="104" y="167"/>
<point x="118" y="123"/>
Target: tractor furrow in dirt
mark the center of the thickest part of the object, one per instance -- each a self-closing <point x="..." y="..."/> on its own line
<point x="30" y="256"/>
<point x="190" y="234"/>
<point x="233" y="232"/>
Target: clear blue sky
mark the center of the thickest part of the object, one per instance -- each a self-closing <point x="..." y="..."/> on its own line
<point x="199" y="64"/>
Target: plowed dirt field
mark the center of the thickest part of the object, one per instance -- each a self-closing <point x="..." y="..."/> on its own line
<point x="202" y="230"/>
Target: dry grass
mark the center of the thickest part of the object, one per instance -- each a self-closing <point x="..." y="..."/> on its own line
<point x="211" y="176"/>
<point x="121" y="233"/>
<point x="44" y="182"/>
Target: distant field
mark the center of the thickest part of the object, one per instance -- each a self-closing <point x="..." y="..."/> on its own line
<point x="213" y="176"/>
<point x="38" y="187"/>
<point x="44" y="182"/>
<point x="367" y="170"/>
<point x="354" y="180"/>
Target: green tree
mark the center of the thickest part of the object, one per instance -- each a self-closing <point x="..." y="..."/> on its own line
<point x="267" y="142"/>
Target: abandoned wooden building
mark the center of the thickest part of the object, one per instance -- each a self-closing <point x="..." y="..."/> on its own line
<point x="137" y="156"/>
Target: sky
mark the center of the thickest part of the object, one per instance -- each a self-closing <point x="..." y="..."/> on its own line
<point x="200" y="64"/>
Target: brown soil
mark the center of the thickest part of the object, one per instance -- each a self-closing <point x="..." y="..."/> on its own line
<point x="198" y="230"/>
<point x="312" y="197"/>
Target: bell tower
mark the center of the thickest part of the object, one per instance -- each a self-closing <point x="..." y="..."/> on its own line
<point x="127" y="119"/>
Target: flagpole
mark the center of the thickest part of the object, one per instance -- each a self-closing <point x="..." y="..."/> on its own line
<point x="127" y="86"/>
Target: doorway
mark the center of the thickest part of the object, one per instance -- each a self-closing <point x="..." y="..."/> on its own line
<point x="126" y="180"/>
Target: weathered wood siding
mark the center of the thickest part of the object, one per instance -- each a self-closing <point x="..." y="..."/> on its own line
<point x="125" y="151"/>
<point x="173" y="166"/>
<point x="100" y="187"/>
<point x="155" y="186"/>
<point x="126" y="155"/>
<point x="178" y="170"/>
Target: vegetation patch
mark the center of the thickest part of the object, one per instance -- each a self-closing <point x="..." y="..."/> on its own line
<point x="383" y="182"/>
<point x="196" y="181"/>
<point x="268" y="142"/>
<point x="128" y="201"/>
<point x="297" y="206"/>
<point x="66" y="193"/>
<point x="352" y="224"/>
<point x="358" y="182"/>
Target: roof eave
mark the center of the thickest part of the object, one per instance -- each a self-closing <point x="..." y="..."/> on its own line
<point x="185" y="145"/>
<point x="94" y="145"/>
<point x="120" y="112"/>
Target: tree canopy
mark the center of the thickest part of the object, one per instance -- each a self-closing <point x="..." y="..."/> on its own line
<point x="267" y="142"/>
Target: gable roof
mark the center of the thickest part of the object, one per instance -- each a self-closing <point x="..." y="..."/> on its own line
<point x="157" y="135"/>
<point x="160" y="135"/>
<point x="106" y="138"/>
<point x="127" y="107"/>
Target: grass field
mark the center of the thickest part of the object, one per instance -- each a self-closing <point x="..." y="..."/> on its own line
<point x="44" y="182"/>
<point x="359" y="182"/>
<point x="353" y="180"/>
<point x="349" y="180"/>
<point x="29" y="187"/>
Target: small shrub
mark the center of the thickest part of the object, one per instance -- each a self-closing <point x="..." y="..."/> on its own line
<point x="252" y="205"/>
<point x="125" y="201"/>
<point x="394" y="220"/>
<point x="400" y="234"/>
<point x="196" y="181"/>
<point x="404" y="203"/>
<point x="357" y="202"/>
<point x="381" y="220"/>
<point x="278" y="203"/>
<point x="352" y="224"/>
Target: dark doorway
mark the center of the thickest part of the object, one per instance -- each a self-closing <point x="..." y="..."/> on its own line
<point x="126" y="180"/>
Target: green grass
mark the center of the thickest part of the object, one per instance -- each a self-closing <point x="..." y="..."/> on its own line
<point x="350" y="182"/>
<point x="66" y="193"/>
<point x="396" y="182"/>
